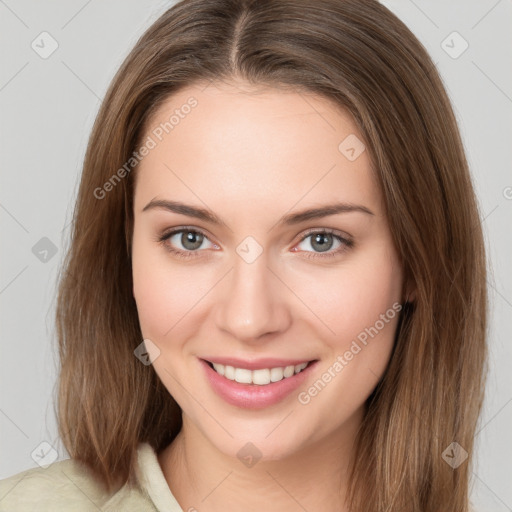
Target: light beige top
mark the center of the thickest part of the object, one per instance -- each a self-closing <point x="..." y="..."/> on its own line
<point x="68" y="485"/>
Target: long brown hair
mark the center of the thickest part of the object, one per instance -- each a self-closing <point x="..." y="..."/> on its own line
<point x="360" y="56"/>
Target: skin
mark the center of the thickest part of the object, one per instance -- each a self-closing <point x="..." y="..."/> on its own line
<point x="251" y="156"/>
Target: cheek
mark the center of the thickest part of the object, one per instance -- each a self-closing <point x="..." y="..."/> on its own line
<point x="158" y="288"/>
<point x="169" y="295"/>
<point x="363" y="311"/>
<point x="352" y="299"/>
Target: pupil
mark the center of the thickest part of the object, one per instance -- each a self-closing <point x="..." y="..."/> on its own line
<point x="320" y="238"/>
<point x="189" y="237"/>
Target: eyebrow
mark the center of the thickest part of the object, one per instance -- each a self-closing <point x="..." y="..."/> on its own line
<point x="290" y="219"/>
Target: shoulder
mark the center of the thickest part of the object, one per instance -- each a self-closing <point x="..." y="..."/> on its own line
<point x="62" y="483"/>
<point x="65" y="485"/>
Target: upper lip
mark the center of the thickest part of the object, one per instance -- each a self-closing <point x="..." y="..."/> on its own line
<point x="256" y="364"/>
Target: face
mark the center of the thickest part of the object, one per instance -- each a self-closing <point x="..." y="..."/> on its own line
<point x="238" y="292"/>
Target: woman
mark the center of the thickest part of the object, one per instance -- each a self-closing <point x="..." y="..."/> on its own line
<point x="275" y="293"/>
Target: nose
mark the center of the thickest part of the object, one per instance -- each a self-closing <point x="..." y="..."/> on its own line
<point x="252" y="302"/>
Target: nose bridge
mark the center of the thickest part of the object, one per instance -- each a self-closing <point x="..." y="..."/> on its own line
<point x="253" y="302"/>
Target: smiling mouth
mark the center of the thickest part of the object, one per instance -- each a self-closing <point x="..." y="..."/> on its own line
<point x="260" y="377"/>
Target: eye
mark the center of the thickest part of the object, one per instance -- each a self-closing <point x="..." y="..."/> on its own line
<point x="323" y="240"/>
<point x="190" y="240"/>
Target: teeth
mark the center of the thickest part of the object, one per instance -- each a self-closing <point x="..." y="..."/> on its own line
<point x="219" y="368"/>
<point x="260" y="377"/>
<point x="243" y="376"/>
<point x="229" y="372"/>
<point x="289" y="371"/>
<point x="276" y="374"/>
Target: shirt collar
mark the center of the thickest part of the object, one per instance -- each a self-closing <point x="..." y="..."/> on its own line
<point x="152" y="480"/>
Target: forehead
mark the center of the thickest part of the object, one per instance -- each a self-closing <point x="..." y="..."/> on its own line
<point x="254" y="147"/>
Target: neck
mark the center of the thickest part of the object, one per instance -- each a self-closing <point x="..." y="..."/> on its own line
<point x="204" y="479"/>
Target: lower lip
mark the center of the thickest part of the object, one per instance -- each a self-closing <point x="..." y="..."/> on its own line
<point x="254" y="396"/>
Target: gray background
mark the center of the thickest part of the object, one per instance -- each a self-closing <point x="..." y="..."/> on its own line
<point x="47" y="110"/>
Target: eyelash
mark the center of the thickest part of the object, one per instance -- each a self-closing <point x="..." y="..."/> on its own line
<point x="347" y="243"/>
